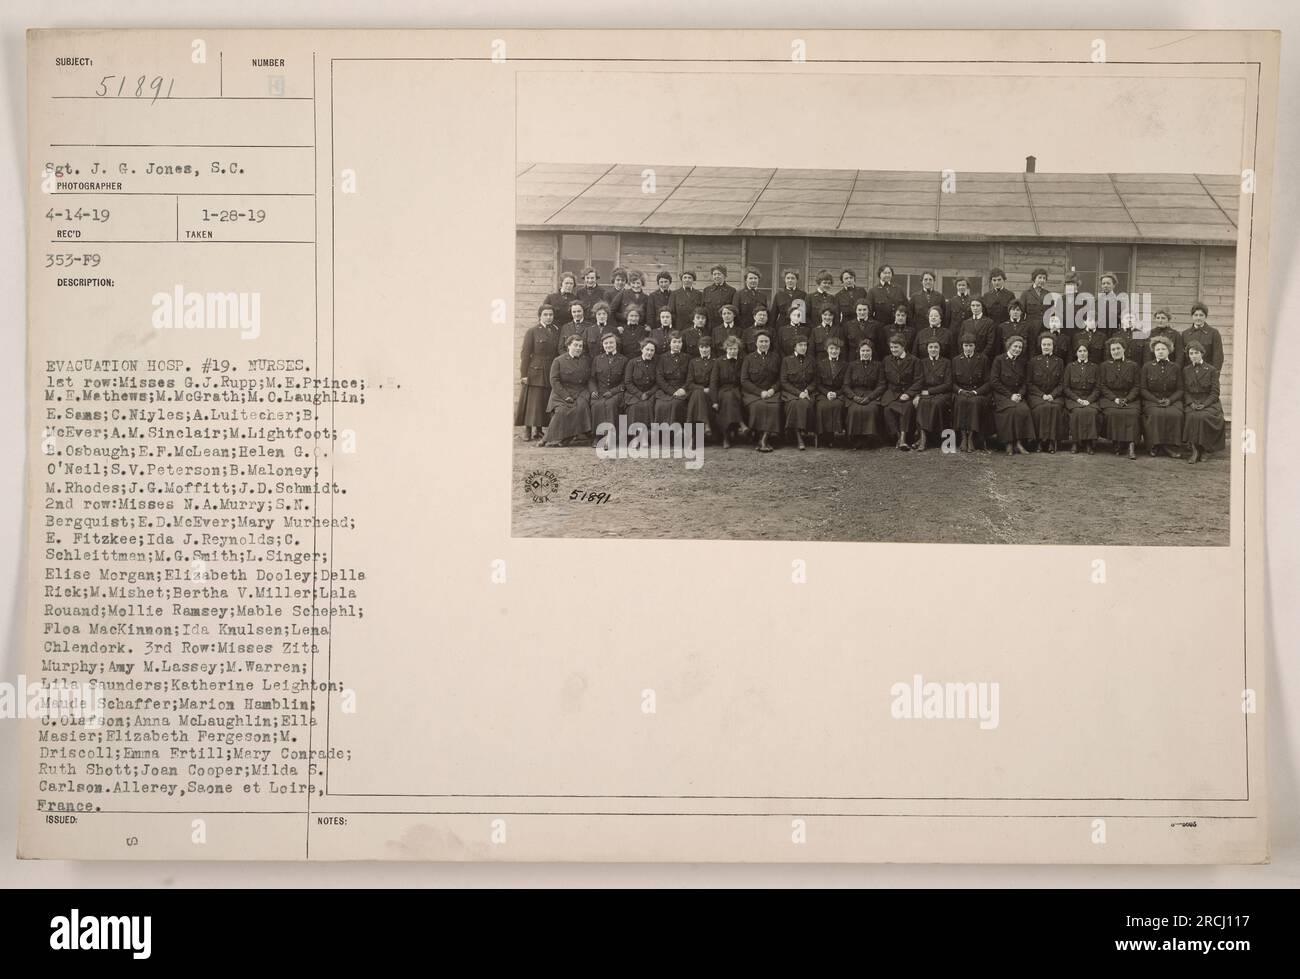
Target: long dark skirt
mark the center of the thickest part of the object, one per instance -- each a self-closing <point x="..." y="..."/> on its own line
<point x="638" y="410"/>
<point x="899" y="416"/>
<point x="568" y="420"/>
<point x="1163" y="425"/>
<point x="930" y="411"/>
<point x="970" y="412"/>
<point x="1204" y="428"/>
<point x="535" y="413"/>
<point x="864" y="419"/>
<point x="731" y="410"/>
<point x="1049" y="418"/>
<point x="699" y="409"/>
<point x="1083" y="420"/>
<point x="669" y="409"/>
<point x="1013" y="420"/>
<point x="798" y="413"/>
<point x="1121" y="423"/>
<point x="830" y="414"/>
<point x="605" y="410"/>
<point x="764" y="413"/>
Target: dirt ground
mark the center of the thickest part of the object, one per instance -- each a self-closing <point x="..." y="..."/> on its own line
<point x="834" y="494"/>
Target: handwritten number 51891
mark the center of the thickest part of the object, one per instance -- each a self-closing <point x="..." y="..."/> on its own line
<point x="141" y="88"/>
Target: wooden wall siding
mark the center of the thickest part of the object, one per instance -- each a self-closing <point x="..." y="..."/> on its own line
<point x="1218" y="291"/>
<point x="650" y="255"/>
<point x="535" y="277"/>
<point x="971" y="257"/>
<point x="701" y="252"/>
<point x="1020" y="258"/>
<point x="836" y="255"/>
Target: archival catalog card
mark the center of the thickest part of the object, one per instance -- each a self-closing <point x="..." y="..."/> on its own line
<point x="647" y="445"/>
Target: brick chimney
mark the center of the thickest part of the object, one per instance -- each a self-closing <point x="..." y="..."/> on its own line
<point x="1030" y="163"/>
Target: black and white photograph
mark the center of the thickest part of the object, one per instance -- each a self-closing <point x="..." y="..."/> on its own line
<point x="1018" y="337"/>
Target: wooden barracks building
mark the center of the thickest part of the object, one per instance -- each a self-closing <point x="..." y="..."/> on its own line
<point x="1171" y="235"/>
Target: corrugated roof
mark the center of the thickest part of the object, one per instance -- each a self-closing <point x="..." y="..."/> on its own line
<point x="1183" y="208"/>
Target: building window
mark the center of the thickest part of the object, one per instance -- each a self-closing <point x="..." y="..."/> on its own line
<point x="771" y="257"/>
<point x="598" y="251"/>
<point x="1091" y="261"/>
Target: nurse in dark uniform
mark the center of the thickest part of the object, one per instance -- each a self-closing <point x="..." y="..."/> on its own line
<point x="672" y="368"/>
<point x="699" y="408"/>
<point x="799" y="391"/>
<point x="971" y="382"/>
<point x="607" y="370"/>
<point x="935" y="395"/>
<point x="864" y="386"/>
<point x="1203" y="412"/>
<point x="1081" y="391"/>
<point x="640" y="382"/>
<point x="902" y="385"/>
<point x="1009" y="375"/>
<point x="570" y="402"/>
<point x="1119" y="399"/>
<point x="724" y="391"/>
<point x="760" y="386"/>
<point x="830" y="392"/>
<point x="541" y="346"/>
<point x="1162" y="399"/>
<point x="1046" y="394"/>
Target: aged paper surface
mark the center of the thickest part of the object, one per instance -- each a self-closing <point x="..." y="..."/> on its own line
<point x="297" y="588"/>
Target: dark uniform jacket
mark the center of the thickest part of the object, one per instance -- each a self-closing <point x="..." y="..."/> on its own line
<point x="671" y="372"/>
<point x="1209" y="339"/>
<point x="865" y="379"/>
<point x="747" y="300"/>
<point x="831" y="374"/>
<point x="715" y="297"/>
<point x="1110" y="310"/>
<point x="1036" y="305"/>
<point x="883" y="300"/>
<point x="1098" y="352"/>
<point x="996" y="302"/>
<point x="817" y="301"/>
<point x="1119" y="379"/>
<point x="607" y="371"/>
<point x="797" y="375"/>
<point x="971" y="374"/>
<point x="720" y="334"/>
<point x="1201" y="384"/>
<point x="640" y="377"/>
<point x="560" y="302"/>
<point x="1008" y="377"/>
<point x="1046" y="376"/>
<point x="589" y="298"/>
<point x="1082" y="381"/>
<point x="569" y="377"/>
<point x="631" y="343"/>
<point x="846" y="302"/>
<point x="725" y="374"/>
<point x="902" y="376"/>
<point x="782" y="300"/>
<point x="936" y="375"/>
<point x="1162" y="379"/>
<point x="855" y="331"/>
<point x="750" y="339"/>
<point x="658" y="301"/>
<point x="628" y="299"/>
<point x="927" y="333"/>
<point x="699" y="373"/>
<point x="691" y="341"/>
<point x="958" y="313"/>
<point x="986" y="336"/>
<point x="821" y="334"/>
<point x="790" y="333"/>
<point x="918" y="307"/>
<point x="541" y="346"/>
<point x="759" y="372"/>
<point x="684" y="304"/>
